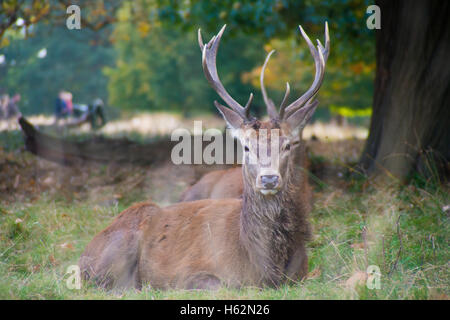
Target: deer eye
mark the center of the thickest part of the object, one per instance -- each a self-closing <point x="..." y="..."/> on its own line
<point x="287" y="147"/>
<point x="246" y="149"/>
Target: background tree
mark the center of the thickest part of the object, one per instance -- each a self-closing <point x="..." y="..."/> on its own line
<point x="96" y="14"/>
<point x="53" y="59"/>
<point x="409" y="130"/>
<point x="149" y="65"/>
<point x="160" y="69"/>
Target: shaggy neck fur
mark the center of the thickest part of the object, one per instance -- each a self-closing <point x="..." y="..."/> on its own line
<point x="271" y="226"/>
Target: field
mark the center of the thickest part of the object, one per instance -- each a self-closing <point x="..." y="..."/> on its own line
<point x="48" y="213"/>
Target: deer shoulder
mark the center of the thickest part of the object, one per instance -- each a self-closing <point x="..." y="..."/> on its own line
<point x="216" y="185"/>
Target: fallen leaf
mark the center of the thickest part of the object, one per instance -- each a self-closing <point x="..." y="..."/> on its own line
<point x="66" y="245"/>
<point x="52" y="260"/>
<point x="314" y="274"/>
<point x="359" y="245"/>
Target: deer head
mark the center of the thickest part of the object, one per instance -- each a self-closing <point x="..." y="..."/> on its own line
<point x="267" y="145"/>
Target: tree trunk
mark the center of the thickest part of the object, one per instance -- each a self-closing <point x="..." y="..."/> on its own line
<point x="410" y="125"/>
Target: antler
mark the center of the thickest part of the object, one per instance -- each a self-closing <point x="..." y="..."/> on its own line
<point x="320" y="57"/>
<point x="209" y="54"/>
<point x="271" y="109"/>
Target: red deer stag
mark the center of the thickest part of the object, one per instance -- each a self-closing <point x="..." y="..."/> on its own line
<point x="229" y="183"/>
<point x="257" y="240"/>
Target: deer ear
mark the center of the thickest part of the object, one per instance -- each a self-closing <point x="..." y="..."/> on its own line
<point x="298" y="120"/>
<point x="233" y="119"/>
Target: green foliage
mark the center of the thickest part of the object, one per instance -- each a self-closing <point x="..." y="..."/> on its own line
<point x="73" y="62"/>
<point x="158" y="65"/>
<point x="160" y="69"/>
<point x="154" y="62"/>
<point x="350" y="113"/>
<point x="280" y="18"/>
<point x="29" y="11"/>
<point x="96" y="14"/>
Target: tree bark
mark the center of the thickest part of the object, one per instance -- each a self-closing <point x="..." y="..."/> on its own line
<point x="410" y="125"/>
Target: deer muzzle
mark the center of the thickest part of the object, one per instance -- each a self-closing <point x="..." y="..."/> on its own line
<point x="269" y="184"/>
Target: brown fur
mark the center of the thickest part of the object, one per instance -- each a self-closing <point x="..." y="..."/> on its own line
<point x="257" y="240"/>
<point x="216" y="185"/>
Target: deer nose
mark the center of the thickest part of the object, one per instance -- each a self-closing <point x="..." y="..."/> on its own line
<point x="270" y="181"/>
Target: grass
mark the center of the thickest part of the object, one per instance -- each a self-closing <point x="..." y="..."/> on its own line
<point x="404" y="232"/>
<point x="43" y="230"/>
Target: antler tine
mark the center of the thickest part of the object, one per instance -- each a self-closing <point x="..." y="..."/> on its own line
<point x="200" y="40"/>
<point x="209" y="54"/>
<point x="247" y="106"/>
<point x="326" y="49"/>
<point x="283" y="103"/>
<point x="320" y="55"/>
<point x="271" y="109"/>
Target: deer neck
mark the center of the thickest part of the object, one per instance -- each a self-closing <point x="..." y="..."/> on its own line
<point x="270" y="226"/>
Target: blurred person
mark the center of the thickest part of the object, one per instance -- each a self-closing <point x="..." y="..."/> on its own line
<point x="4" y="101"/>
<point x="96" y="113"/>
<point x="60" y="107"/>
<point x="12" y="109"/>
<point x="67" y="96"/>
